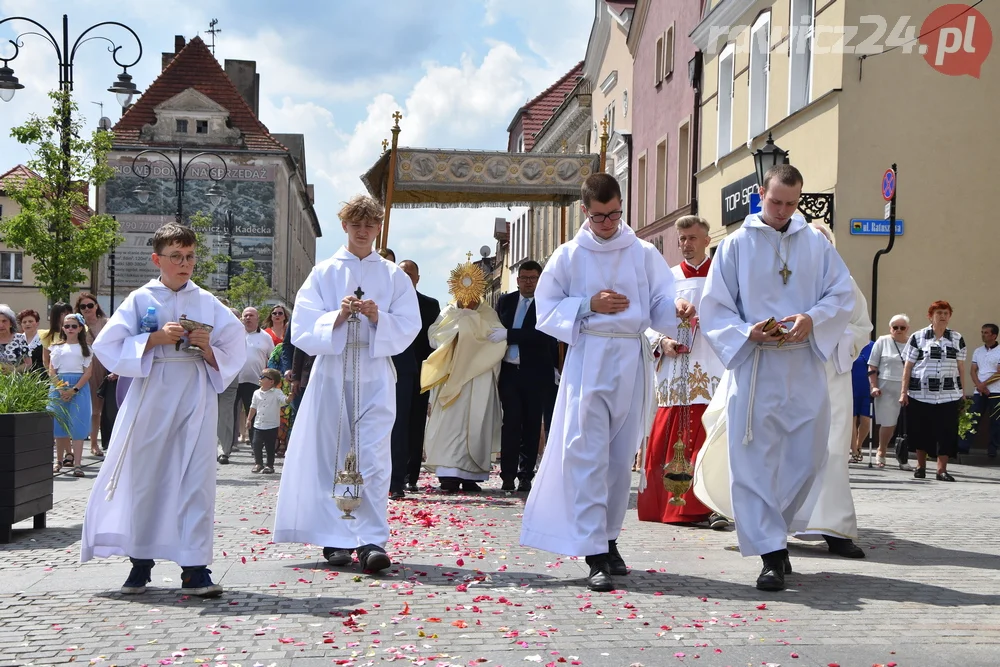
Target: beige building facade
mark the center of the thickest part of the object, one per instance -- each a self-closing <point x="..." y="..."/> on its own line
<point x="849" y="92"/>
<point x="17" y="281"/>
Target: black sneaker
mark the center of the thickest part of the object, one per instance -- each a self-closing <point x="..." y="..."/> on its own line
<point x="599" y="578"/>
<point x="945" y="477"/>
<point x="615" y="561"/>
<point x="197" y="581"/>
<point x="920" y="473"/>
<point x="718" y="522"/>
<point x="373" y="558"/>
<point x="412" y="487"/>
<point x="268" y="470"/>
<point x="138" y="577"/>
<point x="338" y="557"/>
<point x="223" y="459"/>
<point x="397" y="495"/>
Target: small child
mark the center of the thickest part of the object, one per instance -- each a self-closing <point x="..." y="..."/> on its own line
<point x="265" y="418"/>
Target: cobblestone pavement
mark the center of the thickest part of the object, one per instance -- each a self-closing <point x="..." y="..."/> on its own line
<point x="464" y="593"/>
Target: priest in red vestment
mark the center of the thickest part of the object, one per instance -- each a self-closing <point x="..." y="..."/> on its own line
<point x="680" y="408"/>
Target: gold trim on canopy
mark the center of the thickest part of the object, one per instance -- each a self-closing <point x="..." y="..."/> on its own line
<point x="430" y="178"/>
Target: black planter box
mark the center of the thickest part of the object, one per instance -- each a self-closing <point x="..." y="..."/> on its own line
<point x="25" y="469"/>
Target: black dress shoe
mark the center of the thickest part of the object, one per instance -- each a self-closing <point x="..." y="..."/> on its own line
<point x="600" y="574"/>
<point x="470" y="487"/>
<point x="373" y="558"/>
<point x="920" y="473"/>
<point x="524" y="486"/>
<point x="841" y="546"/>
<point x="772" y="575"/>
<point x="615" y="560"/>
<point x="945" y="477"/>
<point x="450" y="484"/>
<point x="507" y="486"/>
<point x="412" y="488"/>
<point x="338" y="557"/>
<point x="397" y="495"/>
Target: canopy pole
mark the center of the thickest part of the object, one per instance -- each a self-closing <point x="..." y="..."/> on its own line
<point x="604" y="143"/>
<point x="390" y="186"/>
<point x="562" y="225"/>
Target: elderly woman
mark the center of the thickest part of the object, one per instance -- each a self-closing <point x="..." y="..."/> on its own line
<point x="87" y="306"/>
<point x="934" y="363"/>
<point x="14" y="351"/>
<point x="885" y="376"/>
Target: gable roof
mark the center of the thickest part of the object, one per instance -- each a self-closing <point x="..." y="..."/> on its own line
<point x="536" y="112"/>
<point x="195" y="67"/>
<point x="20" y="173"/>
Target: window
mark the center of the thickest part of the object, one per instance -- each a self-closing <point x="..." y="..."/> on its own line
<point x="609" y="113"/>
<point x="182" y="126"/>
<point x="684" y="164"/>
<point x="661" y="180"/>
<point x="668" y="51"/>
<point x="201" y="127"/>
<point x="759" y="51"/>
<point x="658" y="75"/>
<point x="800" y="44"/>
<point x="519" y="147"/>
<point x="725" y="101"/>
<point x="640" y="210"/>
<point x="11" y="266"/>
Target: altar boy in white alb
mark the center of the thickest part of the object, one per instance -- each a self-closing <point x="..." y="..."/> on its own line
<point x="778" y="405"/>
<point x="155" y="494"/>
<point x="355" y="279"/>
<point x="599" y="293"/>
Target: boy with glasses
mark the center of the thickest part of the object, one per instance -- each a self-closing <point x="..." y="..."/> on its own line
<point x="599" y="293"/>
<point x="155" y="495"/>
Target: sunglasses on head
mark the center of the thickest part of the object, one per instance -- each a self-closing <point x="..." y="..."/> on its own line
<point x="88" y="306"/>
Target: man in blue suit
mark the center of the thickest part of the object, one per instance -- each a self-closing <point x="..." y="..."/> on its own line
<point x="527" y="379"/>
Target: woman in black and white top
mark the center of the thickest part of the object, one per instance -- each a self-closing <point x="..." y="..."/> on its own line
<point x="932" y="390"/>
<point x="885" y="376"/>
<point x="14" y="351"/>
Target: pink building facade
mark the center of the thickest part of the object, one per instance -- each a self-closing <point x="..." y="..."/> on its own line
<point x="665" y="121"/>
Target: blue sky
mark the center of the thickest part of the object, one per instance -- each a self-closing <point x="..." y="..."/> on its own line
<point x="335" y="71"/>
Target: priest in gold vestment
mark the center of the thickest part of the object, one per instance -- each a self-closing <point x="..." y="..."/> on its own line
<point x="461" y="374"/>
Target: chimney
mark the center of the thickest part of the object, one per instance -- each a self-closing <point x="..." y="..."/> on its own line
<point x="179" y="43"/>
<point x="243" y="74"/>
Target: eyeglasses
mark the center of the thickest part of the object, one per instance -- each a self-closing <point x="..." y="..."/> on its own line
<point x="897" y="328"/>
<point x="177" y="259"/>
<point x="601" y="217"/>
<point x="71" y="327"/>
<point x="88" y="306"/>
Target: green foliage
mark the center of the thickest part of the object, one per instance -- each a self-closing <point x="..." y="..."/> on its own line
<point x="62" y="252"/>
<point x="248" y="288"/>
<point x="29" y="392"/>
<point x="207" y="263"/>
<point x="966" y="418"/>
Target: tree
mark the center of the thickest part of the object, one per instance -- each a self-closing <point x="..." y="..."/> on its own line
<point x="208" y="263"/>
<point x="249" y="288"/>
<point x="62" y="250"/>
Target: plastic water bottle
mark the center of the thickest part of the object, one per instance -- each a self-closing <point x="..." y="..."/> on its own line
<point x="149" y="323"/>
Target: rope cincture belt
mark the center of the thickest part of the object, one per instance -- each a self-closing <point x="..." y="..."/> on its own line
<point x="116" y="475"/>
<point x="748" y="435"/>
<point x="648" y="389"/>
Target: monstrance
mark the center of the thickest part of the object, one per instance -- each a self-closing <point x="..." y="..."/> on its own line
<point x="467" y="283"/>
<point x="678" y="472"/>
<point x="349" y="477"/>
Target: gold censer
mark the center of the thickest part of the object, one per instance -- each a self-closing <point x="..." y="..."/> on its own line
<point x="678" y="473"/>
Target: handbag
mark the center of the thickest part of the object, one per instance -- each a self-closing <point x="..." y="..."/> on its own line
<point x="902" y="453"/>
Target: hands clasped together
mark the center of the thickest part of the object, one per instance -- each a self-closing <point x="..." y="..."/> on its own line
<point x="171" y="333"/>
<point x="771" y="330"/>
<point x="352" y="304"/>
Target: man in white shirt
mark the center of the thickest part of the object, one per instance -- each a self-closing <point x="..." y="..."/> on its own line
<point x="986" y="399"/>
<point x="259" y="348"/>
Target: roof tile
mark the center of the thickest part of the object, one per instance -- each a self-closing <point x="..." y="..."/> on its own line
<point x="195" y="67"/>
<point x="536" y="112"/>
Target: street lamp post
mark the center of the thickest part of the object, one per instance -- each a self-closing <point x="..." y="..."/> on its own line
<point x="230" y="231"/>
<point x="813" y="205"/>
<point x="215" y="193"/>
<point x="123" y="88"/>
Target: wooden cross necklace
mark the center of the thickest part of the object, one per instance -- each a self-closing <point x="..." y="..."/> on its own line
<point x="784" y="271"/>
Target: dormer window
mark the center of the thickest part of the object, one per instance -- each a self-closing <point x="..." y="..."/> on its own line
<point x="182" y="126"/>
<point x="201" y="127"/>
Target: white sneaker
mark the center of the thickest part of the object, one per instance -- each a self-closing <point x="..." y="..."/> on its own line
<point x="905" y="466"/>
